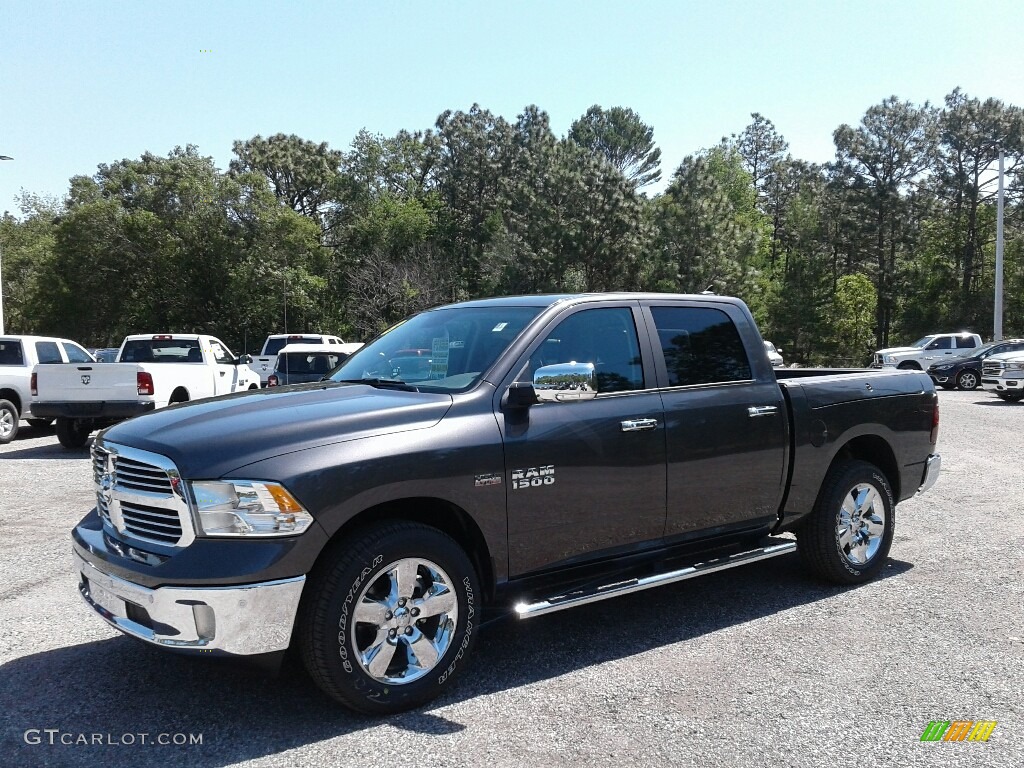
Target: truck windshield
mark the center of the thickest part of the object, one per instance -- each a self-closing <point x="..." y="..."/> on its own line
<point x="443" y="350"/>
<point x="922" y="343"/>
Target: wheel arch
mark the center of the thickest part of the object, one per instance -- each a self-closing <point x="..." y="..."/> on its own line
<point x="437" y="513"/>
<point x="874" y="450"/>
<point x="179" y="395"/>
<point x="13" y="396"/>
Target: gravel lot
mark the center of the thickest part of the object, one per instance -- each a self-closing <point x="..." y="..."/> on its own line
<point x="750" y="667"/>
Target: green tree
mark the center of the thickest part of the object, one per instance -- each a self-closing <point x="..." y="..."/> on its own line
<point x="623" y="139"/>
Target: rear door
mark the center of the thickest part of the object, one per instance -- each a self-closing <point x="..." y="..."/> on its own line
<point x="725" y="419"/>
<point x="583" y="479"/>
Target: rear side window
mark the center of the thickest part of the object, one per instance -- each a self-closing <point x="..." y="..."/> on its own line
<point x="161" y="351"/>
<point x="11" y="352"/>
<point x="700" y="345"/>
<point x="47" y="352"/>
<point x="968" y="342"/>
<point x="273" y="346"/>
<point x="75" y="353"/>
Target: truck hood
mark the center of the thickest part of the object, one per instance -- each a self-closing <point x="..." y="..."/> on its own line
<point x="209" y="438"/>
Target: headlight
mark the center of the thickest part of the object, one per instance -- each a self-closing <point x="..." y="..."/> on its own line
<point x="889" y="360"/>
<point x="247" y="508"/>
<point x="1015" y="366"/>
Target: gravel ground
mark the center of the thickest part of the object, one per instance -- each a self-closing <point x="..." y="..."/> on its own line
<point x="751" y="667"/>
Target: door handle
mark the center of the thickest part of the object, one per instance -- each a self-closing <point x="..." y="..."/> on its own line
<point x="638" y="425"/>
<point x="761" y="410"/>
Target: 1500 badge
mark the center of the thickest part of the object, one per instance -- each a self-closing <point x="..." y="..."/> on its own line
<point x="533" y="477"/>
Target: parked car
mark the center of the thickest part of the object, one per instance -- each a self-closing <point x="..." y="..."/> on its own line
<point x="304" y="363"/>
<point x="263" y="363"/>
<point x="965" y="372"/>
<point x="1003" y="375"/>
<point x="554" y="451"/>
<point x="104" y="354"/>
<point x="152" y="371"/>
<point x="774" y="356"/>
<point x="927" y="350"/>
<point x="18" y="355"/>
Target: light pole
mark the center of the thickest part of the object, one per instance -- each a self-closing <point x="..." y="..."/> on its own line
<point x="2" y="157"/>
<point x="997" y="325"/>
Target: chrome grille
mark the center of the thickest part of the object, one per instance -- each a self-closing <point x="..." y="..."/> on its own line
<point x="992" y="368"/>
<point x="139" y="494"/>
<point x="145" y="521"/>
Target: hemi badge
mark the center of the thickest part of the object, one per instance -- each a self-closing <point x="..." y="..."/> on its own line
<point x="488" y="479"/>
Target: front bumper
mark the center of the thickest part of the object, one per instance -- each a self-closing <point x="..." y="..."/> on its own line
<point x="932" y="467"/>
<point x="1002" y="384"/>
<point x="241" y="620"/>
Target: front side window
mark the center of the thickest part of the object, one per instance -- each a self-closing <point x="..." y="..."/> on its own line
<point x="944" y="343"/>
<point x="604" y="337"/>
<point x="221" y="353"/>
<point x="47" y="352"/>
<point x="700" y="345"/>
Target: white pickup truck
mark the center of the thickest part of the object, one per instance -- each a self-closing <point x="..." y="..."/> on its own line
<point x="927" y="351"/>
<point x="264" y="362"/>
<point x="152" y="371"/>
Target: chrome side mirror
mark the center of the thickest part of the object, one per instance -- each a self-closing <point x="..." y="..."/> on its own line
<point x="565" y="382"/>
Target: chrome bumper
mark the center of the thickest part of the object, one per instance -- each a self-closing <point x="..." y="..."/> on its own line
<point x="239" y="620"/>
<point x="931" y="472"/>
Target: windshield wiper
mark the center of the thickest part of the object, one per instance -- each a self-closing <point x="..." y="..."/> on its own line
<point x="381" y="384"/>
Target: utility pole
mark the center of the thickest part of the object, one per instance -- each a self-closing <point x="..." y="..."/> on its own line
<point x="997" y="330"/>
<point x="2" y="331"/>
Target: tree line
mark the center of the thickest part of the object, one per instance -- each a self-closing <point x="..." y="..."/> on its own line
<point x="893" y="239"/>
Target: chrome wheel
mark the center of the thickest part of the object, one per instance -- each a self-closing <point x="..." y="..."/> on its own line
<point x="404" y="621"/>
<point x="861" y="524"/>
<point x="967" y="380"/>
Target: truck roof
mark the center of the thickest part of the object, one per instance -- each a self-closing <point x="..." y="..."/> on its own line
<point x="550" y="299"/>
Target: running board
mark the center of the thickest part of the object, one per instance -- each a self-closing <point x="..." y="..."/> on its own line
<point x="573" y="599"/>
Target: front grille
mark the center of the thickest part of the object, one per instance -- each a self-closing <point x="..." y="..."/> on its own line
<point x="151" y="522"/>
<point x="993" y="368"/>
<point x="139" y="494"/>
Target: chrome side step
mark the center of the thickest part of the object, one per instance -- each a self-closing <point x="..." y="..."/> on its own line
<point x="573" y="599"/>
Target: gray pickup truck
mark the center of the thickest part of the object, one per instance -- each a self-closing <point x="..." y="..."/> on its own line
<point x="509" y="456"/>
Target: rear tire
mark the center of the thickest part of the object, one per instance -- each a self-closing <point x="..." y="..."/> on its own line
<point x="72" y="433"/>
<point x="9" y="421"/>
<point x="847" y="537"/>
<point x="388" y="617"/>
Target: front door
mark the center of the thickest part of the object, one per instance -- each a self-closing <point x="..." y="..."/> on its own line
<point x="583" y="479"/>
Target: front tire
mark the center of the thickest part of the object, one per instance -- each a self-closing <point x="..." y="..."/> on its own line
<point x="389" y="617"/>
<point x="909" y="365"/>
<point x="967" y="379"/>
<point x="71" y="433"/>
<point x="1010" y="397"/>
<point x="9" y="421"/>
<point x="848" y="534"/>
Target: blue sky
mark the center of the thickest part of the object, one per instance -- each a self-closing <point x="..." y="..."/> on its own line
<point x="83" y="83"/>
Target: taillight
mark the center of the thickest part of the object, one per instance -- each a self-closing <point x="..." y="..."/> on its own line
<point x="934" y="437"/>
<point x="33" y="385"/>
<point x="271" y="380"/>
<point x="145" y="382"/>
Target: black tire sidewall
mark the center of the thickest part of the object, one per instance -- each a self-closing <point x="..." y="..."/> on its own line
<point x="70" y="434"/>
<point x="337" y="671"/>
<point x="819" y="541"/>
